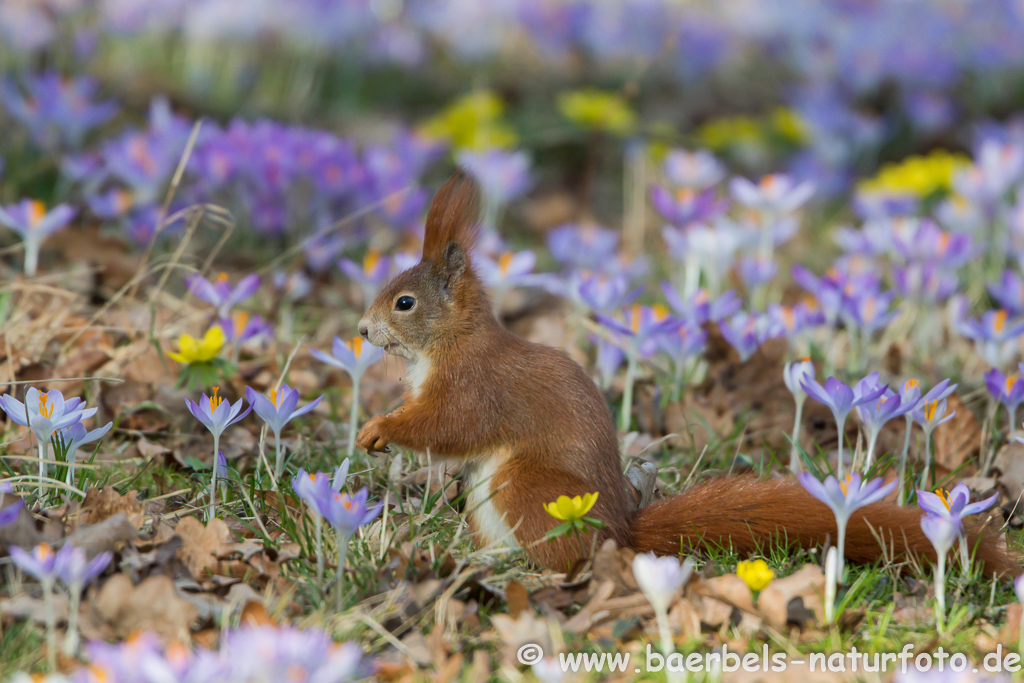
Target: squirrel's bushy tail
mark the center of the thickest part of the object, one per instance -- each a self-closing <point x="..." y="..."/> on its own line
<point x="748" y="514"/>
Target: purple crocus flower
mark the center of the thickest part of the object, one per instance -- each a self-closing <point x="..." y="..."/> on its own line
<point x="276" y="653"/>
<point x="601" y="293"/>
<point x="347" y="513"/>
<point x="280" y="408"/>
<point x="641" y="325"/>
<point x="1009" y="292"/>
<point x="57" y="111"/>
<point x="954" y="504"/>
<point x="840" y="399"/>
<point x="354" y="357"/>
<point x="321" y="250"/>
<point x="371" y="275"/>
<point x="682" y="346"/>
<point x="794" y="375"/>
<point x="701" y="308"/>
<point x="686" y="206"/>
<point x="30" y="219"/>
<point x="502" y="175"/>
<point x="40" y="563"/>
<point x="756" y="271"/>
<point x="220" y="293"/>
<point x="277" y="411"/>
<point x="874" y="415"/>
<point x="508" y="270"/>
<point x="241" y="327"/>
<point x="73" y="566"/>
<point x="583" y="247"/>
<point x="746" y="332"/>
<point x="216" y="414"/>
<point x="869" y="311"/>
<point x="44" y="414"/>
<point x="10" y="512"/>
<point x="315" y="490"/>
<point x="1007" y="389"/>
<point x="773" y="193"/>
<point x="924" y="283"/>
<point x="696" y="170"/>
<point x="927" y="243"/>
<point x="844" y="498"/>
<point x="993" y="335"/>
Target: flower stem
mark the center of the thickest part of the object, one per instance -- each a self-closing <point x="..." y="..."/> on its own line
<point x="51" y="624"/>
<point x="319" y="524"/>
<point x="353" y="417"/>
<point x="839" y="463"/>
<point x="339" y="602"/>
<point x="44" y="454"/>
<point x="212" y="512"/>
<point x="872" y="440"/>
<point x="795" y="464"/>
<point x="940" y="593"/>
<point x="278" y="457"/>
<point x="927" y="459"/>
<point x="71" y="638"/>
<point x="840" y="549"/>
<point x="627" y="392"/>
<point x="903" y="462"/>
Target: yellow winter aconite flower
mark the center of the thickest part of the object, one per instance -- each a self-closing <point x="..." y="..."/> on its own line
<point x="598" y="110"/>
<point x="755" y="573"/>
<point x="732" y="130"/>
<point x="917" y="176"/>
<point x="787" y="124"/>
<point x="472" y="122"/>
<point x="192" y="350"/>
<point x="570" y="509"/>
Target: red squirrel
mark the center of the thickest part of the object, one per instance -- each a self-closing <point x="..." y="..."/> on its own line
<point x="530" y="425"/>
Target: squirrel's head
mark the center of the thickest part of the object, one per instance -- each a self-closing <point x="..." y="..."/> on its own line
<point x="440" y="297"/>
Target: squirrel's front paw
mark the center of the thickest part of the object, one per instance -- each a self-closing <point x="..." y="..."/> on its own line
<point x="371" y="437"/>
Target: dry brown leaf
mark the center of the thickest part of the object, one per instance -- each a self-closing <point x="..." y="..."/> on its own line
<point x="518" y="599"/>
<point x="201" y="545"/>
<point x="122" y="609"/>
<point x="958" y="441"/>
<point x="104" y="536"/>
<point x="101" y="504"/>
<point x="807" y="584"/>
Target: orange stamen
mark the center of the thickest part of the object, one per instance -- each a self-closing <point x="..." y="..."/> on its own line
<point x="1000" y="320"/>
<point x="356" y="345"/>
<point x="910" y="384"/>
<point x="215" y="400"/>
<point x="504" y="261"/>
<point x="943" y="495"/>
<point x="44" y="409"/>
<point x="929" y="410"/>
<point x="371" y="260"/>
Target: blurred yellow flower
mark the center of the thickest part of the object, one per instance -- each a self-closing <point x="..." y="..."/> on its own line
<point x="192" y="350"/>
<point x="571" y="509"/>
<point x="732" y="130"/>
<point x="472" y="122"/>
<point x="755" y="573"/>
<point x="787" y="124"/>
<point x="598" y="110"/>
<point x="917" y="176"/>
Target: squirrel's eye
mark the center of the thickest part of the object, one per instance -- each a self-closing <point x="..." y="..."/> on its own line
<point x="404" y="303"/>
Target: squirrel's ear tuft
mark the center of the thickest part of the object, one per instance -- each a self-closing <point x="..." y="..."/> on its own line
<point x="452" y="217"/>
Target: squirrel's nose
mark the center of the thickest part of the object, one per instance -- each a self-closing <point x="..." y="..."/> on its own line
<point x="364" y="329"/>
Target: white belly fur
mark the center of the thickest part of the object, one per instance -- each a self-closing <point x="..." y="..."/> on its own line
<point x="416" y="374"/>
<point x="491" y="526"/>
